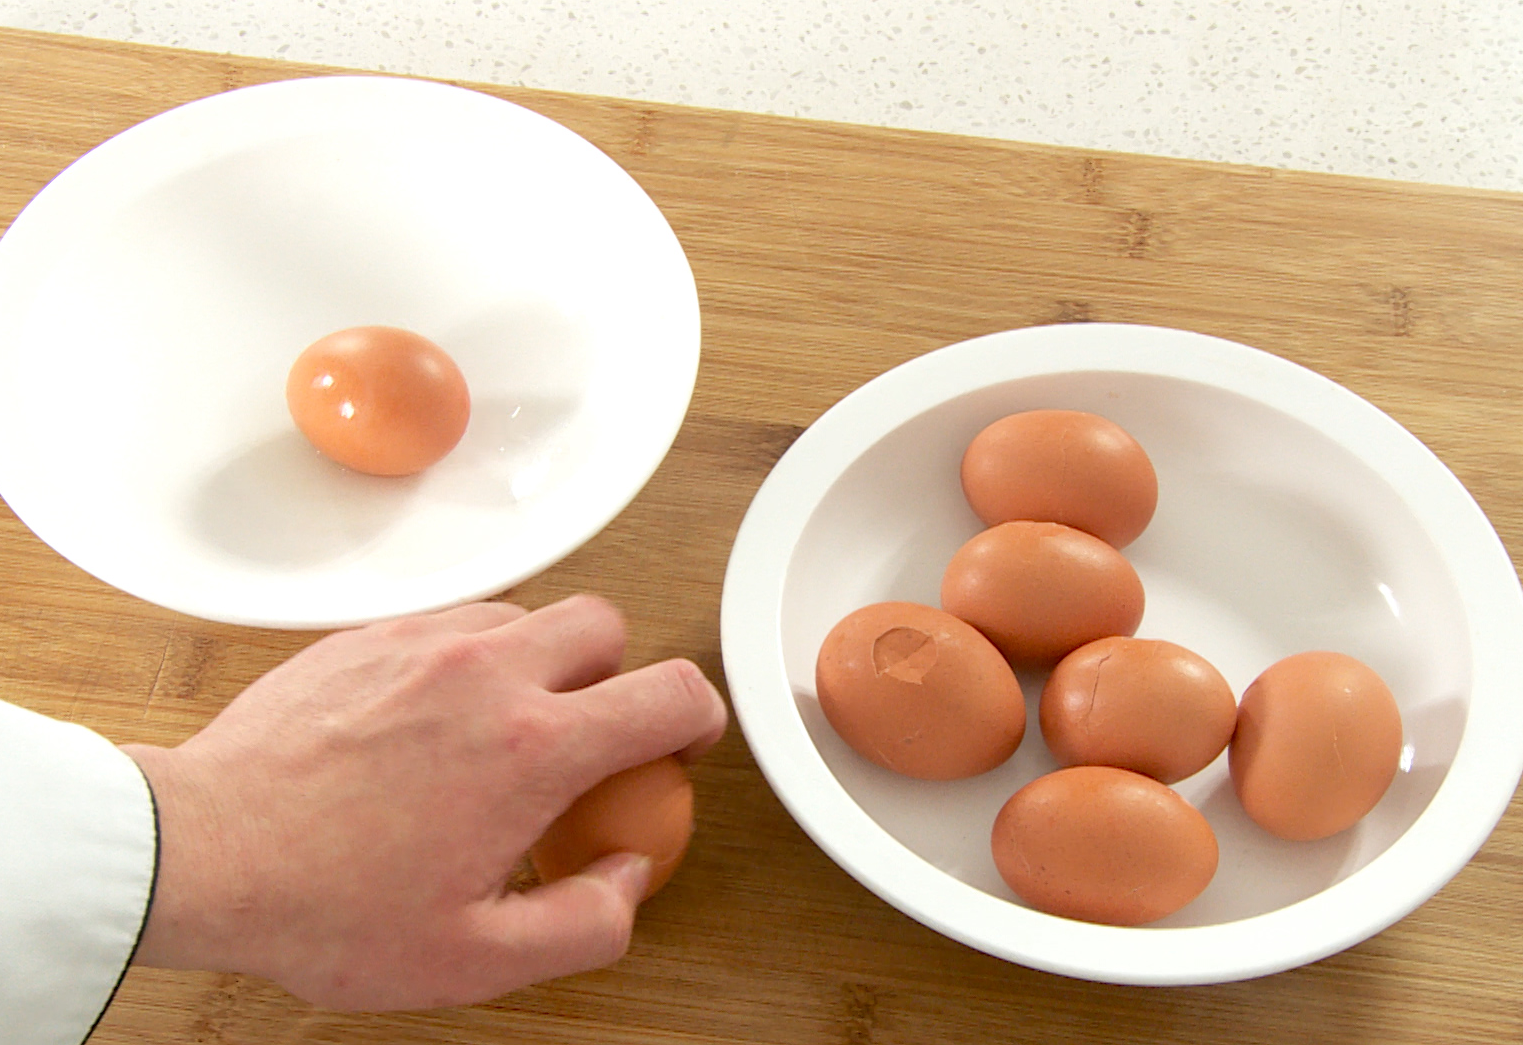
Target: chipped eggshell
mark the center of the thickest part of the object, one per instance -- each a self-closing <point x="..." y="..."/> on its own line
<point x="919" y="692"/>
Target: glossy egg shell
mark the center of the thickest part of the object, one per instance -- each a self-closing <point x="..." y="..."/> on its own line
<point x="380" y="400"/>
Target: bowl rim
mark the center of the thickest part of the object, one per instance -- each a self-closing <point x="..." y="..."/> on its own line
<point x="1470" y="801"/>
<point x="214" y="127"/>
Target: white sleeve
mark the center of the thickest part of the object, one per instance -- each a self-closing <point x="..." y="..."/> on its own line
<point x="78" y="848"/>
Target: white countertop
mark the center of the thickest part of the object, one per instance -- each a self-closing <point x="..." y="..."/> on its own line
<point x="1421" y="90"/>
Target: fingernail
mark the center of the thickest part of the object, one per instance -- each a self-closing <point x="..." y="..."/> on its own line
<point x="631" y="875"/>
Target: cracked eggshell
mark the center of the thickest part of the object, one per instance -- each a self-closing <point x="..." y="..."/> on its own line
<point x="1318" y="742"/>
<point x="1146" y="705"/>
<point x="919" y="692"/>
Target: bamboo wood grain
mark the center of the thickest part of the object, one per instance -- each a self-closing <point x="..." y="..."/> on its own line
<point x="824" y="255"/>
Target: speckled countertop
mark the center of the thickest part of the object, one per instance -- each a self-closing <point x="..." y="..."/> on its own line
<point x="1422" y="90"/>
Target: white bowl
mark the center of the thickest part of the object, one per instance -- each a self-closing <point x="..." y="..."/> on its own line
<point x="154" y="295"/>
<point x="1292" y="515"/>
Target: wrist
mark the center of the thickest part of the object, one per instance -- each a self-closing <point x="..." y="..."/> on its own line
<point x="191" y="922"/>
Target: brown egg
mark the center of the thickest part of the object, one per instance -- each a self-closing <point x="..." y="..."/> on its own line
<point x="1140" y="704"/>
<point x="378" y="399"/>
<point x="646" y="809"/>
<point x="1041" y="590"/>
<point x="920" y="692"/>
<point x="1317" y="744"/>
<point x="1062" y="466"/>
<point x="1103" y="845"/>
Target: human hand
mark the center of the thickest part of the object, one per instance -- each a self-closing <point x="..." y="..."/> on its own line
<point x="347" y="826"/>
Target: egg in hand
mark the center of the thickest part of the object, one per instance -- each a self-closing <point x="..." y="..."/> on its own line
<point x="645" y="809"/>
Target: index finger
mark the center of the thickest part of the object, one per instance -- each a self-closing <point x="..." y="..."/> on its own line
<point x="478" y="616"/>
<point x="567" y="645"/>
<point x="668" y="708"/>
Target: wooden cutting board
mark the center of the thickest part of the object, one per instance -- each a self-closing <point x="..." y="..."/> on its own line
<point x="824" y="255"/>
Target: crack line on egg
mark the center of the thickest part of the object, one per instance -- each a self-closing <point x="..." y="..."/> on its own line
<point x="1094" y="690"/>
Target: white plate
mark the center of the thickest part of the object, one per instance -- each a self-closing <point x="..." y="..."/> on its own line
<point x="153" y="296"/>
<point x="1292" y="515"/>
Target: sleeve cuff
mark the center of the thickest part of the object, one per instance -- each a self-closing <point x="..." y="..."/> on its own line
<point x="78" y="854"/>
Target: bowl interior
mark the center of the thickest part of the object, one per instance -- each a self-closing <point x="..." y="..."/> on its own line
<point x="1270" y="538"/>
<point x="154" y="296"/>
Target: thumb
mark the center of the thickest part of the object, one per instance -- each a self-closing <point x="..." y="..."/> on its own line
<point x="627" y="874"/>
<point x="580" y="922"/>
